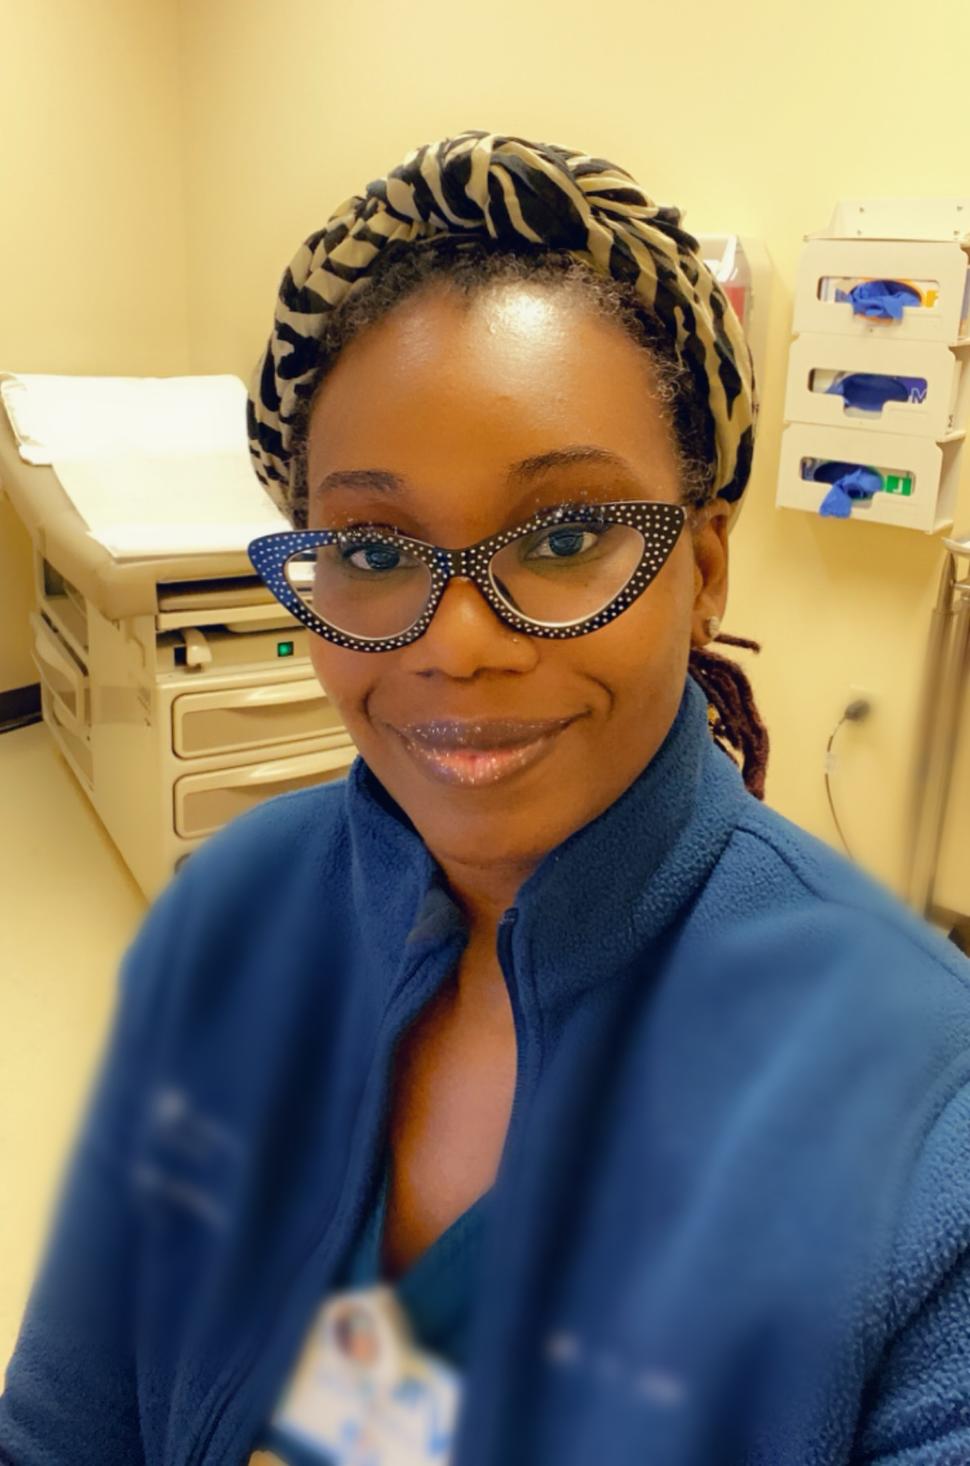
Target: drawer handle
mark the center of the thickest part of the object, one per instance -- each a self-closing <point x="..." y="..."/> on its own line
<point x="283" y="692"/>
<point x="278" y="771"/>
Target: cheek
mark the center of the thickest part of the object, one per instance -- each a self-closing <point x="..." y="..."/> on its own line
<point x="347" y="678"/>
<point x="644" y="652"/>
<point x="319" y="658"/>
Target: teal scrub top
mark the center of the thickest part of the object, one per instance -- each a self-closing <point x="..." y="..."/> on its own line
<point x="436" y="1293"/>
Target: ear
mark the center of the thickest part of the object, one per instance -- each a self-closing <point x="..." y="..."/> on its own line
<point x="709" y="533"/>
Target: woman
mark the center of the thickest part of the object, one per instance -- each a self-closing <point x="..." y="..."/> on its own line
<point x="640" y="1115"/>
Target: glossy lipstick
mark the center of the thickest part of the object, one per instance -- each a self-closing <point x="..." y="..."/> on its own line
<point x="472" y="754"/>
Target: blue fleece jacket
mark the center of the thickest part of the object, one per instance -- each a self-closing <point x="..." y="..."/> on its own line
<point x="732" y="1218"/>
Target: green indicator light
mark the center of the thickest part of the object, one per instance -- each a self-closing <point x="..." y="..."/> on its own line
<point x="284" y="649"/>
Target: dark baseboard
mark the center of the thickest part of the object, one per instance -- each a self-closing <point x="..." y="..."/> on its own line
<point x="960" y="936"/>
<point x="19" y="707"/>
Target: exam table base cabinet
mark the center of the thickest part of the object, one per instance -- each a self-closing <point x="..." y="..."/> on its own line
<point x="168" y="752"/>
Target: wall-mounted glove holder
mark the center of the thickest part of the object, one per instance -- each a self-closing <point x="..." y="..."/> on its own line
<point x="837" y="380"/>
<point x="920" y="477"/>
<point x="878" y="392"/>
<point x="938" y="271"/>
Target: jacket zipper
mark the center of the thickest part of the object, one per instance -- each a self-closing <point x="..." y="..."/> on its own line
<point x="505" y="929"/>
<point x="528" y="1062"/>
<point x="334" y="1235"/>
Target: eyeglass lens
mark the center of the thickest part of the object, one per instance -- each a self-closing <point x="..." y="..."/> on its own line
<point x="556" y="576"/>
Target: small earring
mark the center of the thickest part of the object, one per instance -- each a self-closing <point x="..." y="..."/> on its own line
<point x="712" y="626"/>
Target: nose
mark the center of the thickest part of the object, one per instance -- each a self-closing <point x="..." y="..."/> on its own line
<point x="465" y="637"/>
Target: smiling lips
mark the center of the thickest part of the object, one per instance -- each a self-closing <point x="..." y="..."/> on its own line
<point x="472" y="754"/>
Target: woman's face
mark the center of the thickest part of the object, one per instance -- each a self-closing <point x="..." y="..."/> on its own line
<point x="448" y="396"/>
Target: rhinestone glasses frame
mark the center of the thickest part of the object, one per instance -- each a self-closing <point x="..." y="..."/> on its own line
<point x="658" y="521"/>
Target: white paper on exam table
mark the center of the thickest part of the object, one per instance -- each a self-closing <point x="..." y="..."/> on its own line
<point x="139" y="504"/>
<point x="154" y="465"/>
<point x="79" y="417"/>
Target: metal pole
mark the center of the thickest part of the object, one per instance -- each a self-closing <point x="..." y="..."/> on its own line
<point x="939" y="729"/>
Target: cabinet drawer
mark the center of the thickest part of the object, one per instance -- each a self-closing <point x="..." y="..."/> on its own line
<point x="205" y="802"/>
<point x="252" y="717"/>
<point x="63" y="675"/>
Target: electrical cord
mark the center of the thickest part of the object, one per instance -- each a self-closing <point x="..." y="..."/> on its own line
<point x="854" y="713"/>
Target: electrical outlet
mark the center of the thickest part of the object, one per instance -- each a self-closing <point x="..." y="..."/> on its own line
<point x="858" y="693"/>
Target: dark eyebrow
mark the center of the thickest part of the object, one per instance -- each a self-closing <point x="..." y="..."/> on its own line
<point x="382" y="481"/>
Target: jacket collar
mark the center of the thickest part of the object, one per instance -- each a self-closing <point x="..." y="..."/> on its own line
<point x="595" y="902"/>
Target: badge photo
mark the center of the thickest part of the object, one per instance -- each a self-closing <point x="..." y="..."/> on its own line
<point x="364" y="1393"/>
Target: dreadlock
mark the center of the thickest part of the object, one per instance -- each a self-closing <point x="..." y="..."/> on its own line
<point x="732" y="713"/>
<point x="470" y="265"/>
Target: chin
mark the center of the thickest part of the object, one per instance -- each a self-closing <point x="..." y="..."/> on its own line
<point x="484" y="840"/>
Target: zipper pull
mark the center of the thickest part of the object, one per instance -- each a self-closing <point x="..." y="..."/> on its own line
<point x="504" y="944"/>
<point x="506" y="923"/>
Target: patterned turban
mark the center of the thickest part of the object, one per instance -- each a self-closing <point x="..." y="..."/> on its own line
<point x="516" y="193"/>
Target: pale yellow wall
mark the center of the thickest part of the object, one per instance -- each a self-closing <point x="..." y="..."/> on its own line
<point x="92" y="217"/>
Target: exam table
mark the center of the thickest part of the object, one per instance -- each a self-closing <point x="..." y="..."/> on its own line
<point x="178" y="690"/>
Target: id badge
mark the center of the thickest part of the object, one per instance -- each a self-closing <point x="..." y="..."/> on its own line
<point x="364" y="1393"/>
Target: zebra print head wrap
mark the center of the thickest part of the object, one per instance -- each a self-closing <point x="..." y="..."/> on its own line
<point x="514" y="191"/>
